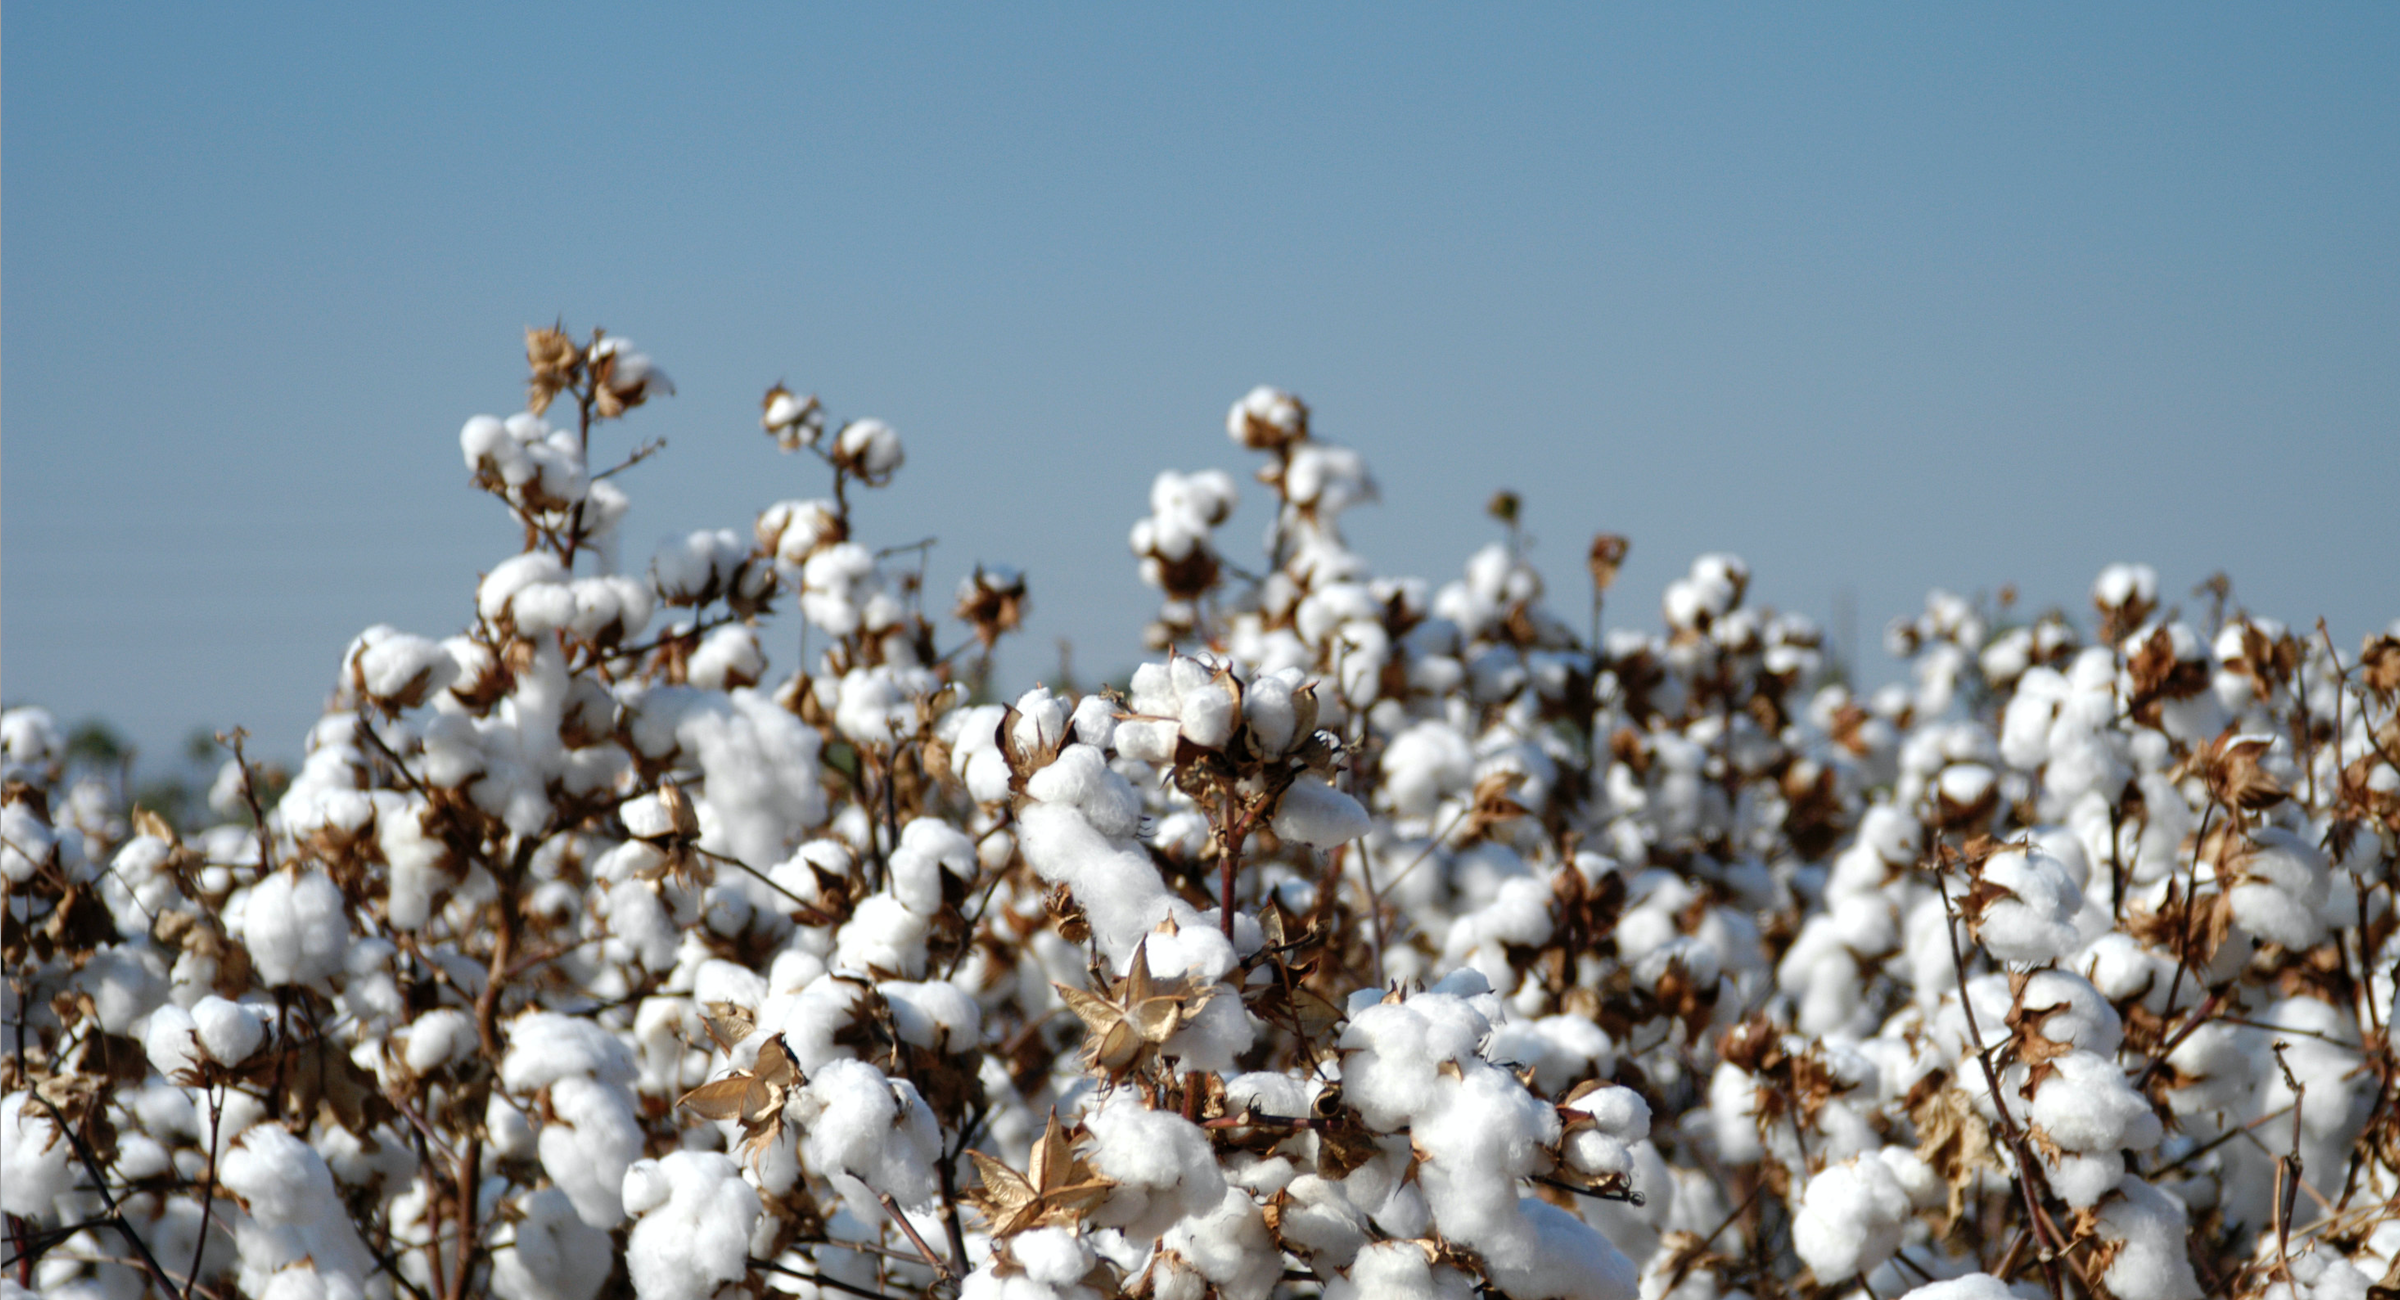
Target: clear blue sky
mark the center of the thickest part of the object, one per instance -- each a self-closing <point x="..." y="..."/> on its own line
<point x="1879" y="297"/>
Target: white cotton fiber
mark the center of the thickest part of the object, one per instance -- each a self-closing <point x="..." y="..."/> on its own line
<point x="2035" y="920"/>
<point x="551" y="1253"/>
<point x="228" y="1031"/>
<point x="295" y="929"/>
<point x="1316" y="814"/>
<point x="1851" y="1218"/>
<point x="694" y="1233"/>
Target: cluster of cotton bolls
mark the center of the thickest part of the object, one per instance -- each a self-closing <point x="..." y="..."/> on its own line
<point x="1376" y="938"/>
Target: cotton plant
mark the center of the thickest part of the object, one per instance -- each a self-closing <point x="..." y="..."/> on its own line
<point x="706" y="922"/>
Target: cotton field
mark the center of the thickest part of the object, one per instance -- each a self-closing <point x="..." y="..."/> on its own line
<point x="710" y="926"/>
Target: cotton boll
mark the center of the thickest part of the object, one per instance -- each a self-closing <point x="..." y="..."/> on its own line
<point x="1972" y="1286"/>
<point x="2282" y="889"/>
<point x="39" y="1159"/>
<point x="730" y="656"/>
<point x="2088" y="1105"/>
<point x="1314" y="813"/>
<point x="172" y="1041"/>
<point x="929" y="847"/>
<point x="228" y="1031"/>
<point x="870" y="449"/>
<point x="550" y="1253"/>
<point x="2148" y="1227"/>
<point x="872" y="1129"/>
<point x="1161" y="1162"/>
<point x="1398" y="1270"/>
<point x="295" y="929"/>
<point x="1081" y="779"/>
<point x="883" y="934"/>
<point x="2034" y="921"/>
<point x="594" y="1138"/>
<point x="696" y="1218"/>
<point x="1850" y="1220"/>
<point x="436" y="1038"/>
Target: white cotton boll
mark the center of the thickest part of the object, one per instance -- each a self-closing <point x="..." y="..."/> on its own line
<point x="2088" y="1105"/>
<point x="1266" y="417"/>
<point x="586" y="1149"/>
<point x="2121" y="584"/>
<point x="514" y="576"/>
<point x="1161" y="1162"/>
<point x="126" y="982"/>
<point x="871" y="447"/>
<point x="792" y="531"/>
<point x="2283" y="894"/>
<point x="295" y="929"/>
<point x="1314" y="813"/>
<point x="2035" y="921"/>
<point x="1094" y="721"/>
<point x="1147" y="740"/>
<point x="1081" y="779"/>
<point x="694" y="1234"/>
<point x="1397" y="1270"/>
<point x="928" y="847"/>
<point x="1851" y="1219"/>
<point x="2082" y="1179"/>
<point x="1041" y="719"/>
<point x="25" y="843"/>
<point x="436" y="1038"/>
<point x="2152" y="1263"/>
<point x="1208" y="716"/>
<point x="1268" y="711"/>
<point x="883" y="934"/>
<point x="1230" y="1247"/>
<point x="551" y="1253"/>
<point x="1972" y="1286"/>
<point x="228" y="1031"/>
<point x="1618" y="1112"/>
<point x="1054" y="1257"/>
<point x="280" y="1179"/>
<point x="1429" y="760"/>
<point x="396" y="669"/>
<point x="171" y="1040"/>
<point x="728" y="657"/>
<point x="872" y="1129"/>
<point x="935" y="1014"/>
<point x="546" y="1046"/>
<point x="1211" y="1038"/>
<point x="40" y="1162"/>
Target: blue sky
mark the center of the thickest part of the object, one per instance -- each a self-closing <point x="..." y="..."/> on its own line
<point x="1881" y="298"/>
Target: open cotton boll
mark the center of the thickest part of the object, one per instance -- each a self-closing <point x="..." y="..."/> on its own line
<point x="1398" y="1270"/>
<point x="2034" y="921"/>
<point x="2088" y="1105"/>
<point x="928" y="847"/>
<point x="2148" y="1228"/>
<point x="436" y="1038"/>
<point x="545" y="1047"/>
<point x="1851" y="1219"/>
<point x="398" y="670"/>
<point x="228" y="1031"/>
<point x="548" y="1253"/>
<point x="1208" y="716"/>
<point x="295" y="928"/>
<point x="594" y="1135"/>
<point x="40" y="1161"/>
<point x="874" y="1130"/>
<point x="1161" y="1162"/>
<point x="728" y="657"/>
<point x="1230" y="1247"/>
<point x="883" y="934"/>
<point x="1314" y="813"/>
<point x="1972" y="1286"/>
<point x="2282" y="888"/>
<point x="870" y="448"/>
<point x="171" y="1040"/>
<point x="693" y="1236"/>
<point x="935" y="1014"/>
